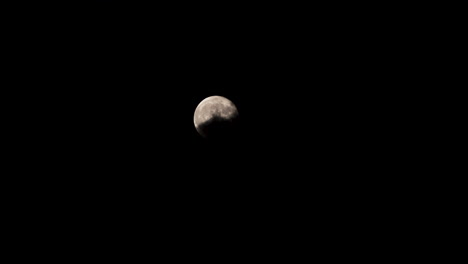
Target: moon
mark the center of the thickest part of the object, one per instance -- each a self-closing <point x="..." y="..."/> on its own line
<point x="216" y="117"/>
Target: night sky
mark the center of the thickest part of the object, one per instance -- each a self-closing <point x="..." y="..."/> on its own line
<point x="123" y="81"/>
<point x="115" y="126"/>
<point x="134" y="74"/>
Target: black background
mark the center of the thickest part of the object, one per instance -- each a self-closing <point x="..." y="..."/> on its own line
<point x="116" y="86"/>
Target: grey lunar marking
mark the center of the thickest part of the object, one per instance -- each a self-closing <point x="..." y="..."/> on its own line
<point x="214" y="106"/>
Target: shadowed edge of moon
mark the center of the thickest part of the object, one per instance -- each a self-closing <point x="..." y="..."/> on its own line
<point x="218" y="128"/>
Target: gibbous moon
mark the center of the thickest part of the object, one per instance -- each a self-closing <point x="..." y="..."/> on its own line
<point x="215" y="117"/>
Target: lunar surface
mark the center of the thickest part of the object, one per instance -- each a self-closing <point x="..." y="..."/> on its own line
<point x="216" y="117"/>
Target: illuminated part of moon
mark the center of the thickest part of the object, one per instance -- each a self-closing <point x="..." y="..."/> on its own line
<point x="215" y="115"/>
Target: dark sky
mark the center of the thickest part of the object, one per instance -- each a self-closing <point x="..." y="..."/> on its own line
<point x="297" y="74"/>
<point x="312" y="84"/>
<point x="122" y="82"/>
